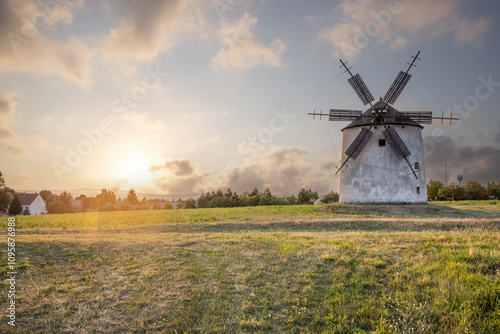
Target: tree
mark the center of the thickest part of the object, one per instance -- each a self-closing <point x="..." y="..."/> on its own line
<point x="168" y="206"/>
<point x="493" y="189"/>
<point x="15" y="206"/>
<point x="444" y="194"/>
<point x="473" y="190"/>
<point x="254" y="192"/>
<point x="267" y="192"/>
<point x="190" y="203"/>
<point x="132" y="197"/>
<point x="307" y="196"/>
<point x="45" y="195"/>
<point x="6" y="195"/>
<point x="291" y="200"/>
<point x="106" y="196"/>
<point x="456" y="192"/>
<point x="203" y="200"/>
<point x="433" y="189"/>
<point x="89" y="203"/>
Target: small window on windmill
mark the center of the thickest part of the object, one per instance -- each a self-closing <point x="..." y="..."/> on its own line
<point x="418" y="190"/>
<point x="381" y="142"/>
<point x="417" y="165"/>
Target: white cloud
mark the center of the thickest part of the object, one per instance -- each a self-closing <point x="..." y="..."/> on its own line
<point x="38" y="140"/>
<point x="240" y="49"/>
<point x="382" y="24"/>
<point x="6" y="133"/>
<point x="144" y="121"/>
<point x="26" y="48"/>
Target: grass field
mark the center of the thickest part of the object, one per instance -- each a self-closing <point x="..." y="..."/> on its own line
<point x="300" y="269"/>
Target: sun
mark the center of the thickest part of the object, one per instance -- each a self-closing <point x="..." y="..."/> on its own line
<point x="135" y="168"/>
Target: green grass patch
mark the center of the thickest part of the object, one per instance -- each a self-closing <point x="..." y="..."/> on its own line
<point x="303" y="269"/>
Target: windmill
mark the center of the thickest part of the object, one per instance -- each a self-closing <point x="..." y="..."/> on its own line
<point x="371" y="171"/>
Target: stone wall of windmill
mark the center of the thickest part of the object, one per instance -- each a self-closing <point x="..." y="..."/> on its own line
<point x="378" y="175"/>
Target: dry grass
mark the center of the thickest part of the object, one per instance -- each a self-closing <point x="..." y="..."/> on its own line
<point x="312" y="271"/>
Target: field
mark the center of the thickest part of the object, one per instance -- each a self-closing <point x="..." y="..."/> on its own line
<point x="300" y="269"/>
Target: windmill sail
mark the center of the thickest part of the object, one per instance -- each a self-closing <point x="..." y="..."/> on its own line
<point x="421" y="117"/>
<point x="396" y="143"/>
<point x="344" y="115"/>
<point x="397" y="87"/>
<point x="360" y="88"/>
<point x="359" y="143"/>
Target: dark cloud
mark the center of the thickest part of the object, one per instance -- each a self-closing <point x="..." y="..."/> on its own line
<point x="283" y="170"/>
<point x="180" y="185"/>
<point x="178" y="167"/>
<point x="178" y="176"/>
<point x="497" y="135"/>
<point x="144" y="30"/>
<point x="474" y="162"/>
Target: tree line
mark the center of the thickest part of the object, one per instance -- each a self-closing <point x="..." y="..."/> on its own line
<point x="230" y="199"/>
<point x="473" y="190"/>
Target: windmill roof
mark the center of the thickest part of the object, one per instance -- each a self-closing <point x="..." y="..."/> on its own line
<point x="392" y="116"/>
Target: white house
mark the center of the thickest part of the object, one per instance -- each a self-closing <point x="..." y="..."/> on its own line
<point x="33" y="202"/>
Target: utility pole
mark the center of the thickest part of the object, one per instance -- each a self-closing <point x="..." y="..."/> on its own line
<point x="445" y="174"/>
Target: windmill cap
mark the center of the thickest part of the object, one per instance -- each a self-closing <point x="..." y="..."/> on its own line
<point x="391" y="116"/>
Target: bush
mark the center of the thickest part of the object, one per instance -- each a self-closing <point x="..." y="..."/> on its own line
<point x="330" y="198"/>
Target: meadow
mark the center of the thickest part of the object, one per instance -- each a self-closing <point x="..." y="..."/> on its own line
<point x="292" y="269"/>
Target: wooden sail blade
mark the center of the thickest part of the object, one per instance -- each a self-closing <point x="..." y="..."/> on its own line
<point x="359" y="143"/>
<point x="421" y="117"/>
<point x="344" y="115"/>
<point x="361" y="89"/>
<point x="397" y="87"/>
<point x="396" y="143"/>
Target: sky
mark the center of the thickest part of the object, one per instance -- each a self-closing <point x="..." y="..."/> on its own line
<point x="185" y="96"/>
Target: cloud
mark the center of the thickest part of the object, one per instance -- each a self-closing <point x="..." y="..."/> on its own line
<point x="144" y="121"/>
<point x="497" y="135"/>
<point x="14" y="150"/>
<point x="283" y="170"/>
<point x="240" y="49"/>
<point x="178" y="176"/>
<point x="178" y="167"/>
<point x="474" y="162"/>
<point x="118" y="184"/>
<point x="383" y="24"/>
<point x="6" y="133"/>
<point x="7" y="110"/>
<point x="38" y="140"/>
<point x="151" y="27"/>
<point x="7" y="106"/>
<point x="26" y="48"/>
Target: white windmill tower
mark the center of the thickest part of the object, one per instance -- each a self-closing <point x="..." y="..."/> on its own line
<point x="383" y="151"/>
